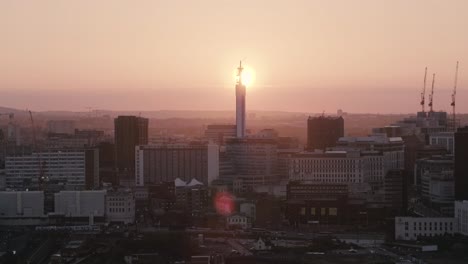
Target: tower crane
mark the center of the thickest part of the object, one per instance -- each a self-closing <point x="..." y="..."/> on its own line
<point x="454" y="93"/>
<point x="431" y="95"/>
<point x="423" y="93"/>
<point x="42" y="179"/>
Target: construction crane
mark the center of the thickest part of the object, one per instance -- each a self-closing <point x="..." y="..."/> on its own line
<point x="454" y="93"/>
<point x="42" y="178"/>
<point x="423" y="93"/>
<point x="431" y="95"/>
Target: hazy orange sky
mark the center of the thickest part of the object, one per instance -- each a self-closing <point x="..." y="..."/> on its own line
<point x="310" y="56"/>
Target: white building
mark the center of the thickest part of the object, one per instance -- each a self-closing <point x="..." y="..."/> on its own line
<point x="120" y="207"/>
<point x="21" y="204"/>
<point x="354" y="160"/>
<point x="67" y="169"/>
<point x="410" y="228"/>
<point x="461" y="217"/>
<point x="164" y="163"/>
<point x="238" y="221"/>
<point x="445" y="139"/>
<point x="80" y="203"/>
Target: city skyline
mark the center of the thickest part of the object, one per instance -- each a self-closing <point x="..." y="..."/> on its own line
<point x="158" y="56"/>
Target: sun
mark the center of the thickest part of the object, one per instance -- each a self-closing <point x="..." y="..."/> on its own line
<point x="248" y="75"/>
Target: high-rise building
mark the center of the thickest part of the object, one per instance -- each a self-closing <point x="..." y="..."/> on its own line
<point x="254" y="160"/>
<point x="323" y="131"/>
<point x="461" y="164"/>
<point x="163" y="163"/>
<point x="130" y="131"/>
<point x="240" y="104"/>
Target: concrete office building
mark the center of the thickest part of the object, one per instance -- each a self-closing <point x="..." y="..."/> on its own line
<point x="164" y="163"/>
<point x="129" y="132"/>
<point x="444" y="139"/>
<point x="437" y="164"/>
<point x="80" y="204"/>
<point x="21" y="204"/>
<point x="461" y="217"/>
<point x="411" y="228"/>
<point x="65" y="170"/>
<point x="344" y="166"/>
<point x="323" y="132"/>
<point x="461" y="164"/>
<point x="120" y="206"/>
<point x="254" y="160"/>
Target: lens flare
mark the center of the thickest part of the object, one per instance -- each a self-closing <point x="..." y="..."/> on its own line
<point x="224" y="203"/>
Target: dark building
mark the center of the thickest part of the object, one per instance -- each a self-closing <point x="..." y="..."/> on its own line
<point x="395" y="191"/>
<point x="130" y="131"/>
<point x="323" y="131"/>
<point x="316" y="203"/>
<point x="107" y="163"/>
<point x="461" y="164"/>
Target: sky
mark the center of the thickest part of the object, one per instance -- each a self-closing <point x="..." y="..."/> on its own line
<point x="362" y="56"/>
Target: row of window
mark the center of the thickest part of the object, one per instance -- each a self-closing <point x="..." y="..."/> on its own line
<point x="323" y="211"/>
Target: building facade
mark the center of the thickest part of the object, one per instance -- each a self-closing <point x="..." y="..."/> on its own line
<point x="21" y="204"/>
<point x="129" y="132"/>
<point x="219" y="133"/>
<point x="445" y="139"/>
<point x="254" y="160"/>
<point x="323" y="132"/>
<point x="63" y="169"/>
<point x="165" y="163"/>
<point x="461" y="164"/>
<point x="80" y="204"/>
<point x="120" y="206"/>
<point x="411" y="228"/>
<point x="461" y="217"/>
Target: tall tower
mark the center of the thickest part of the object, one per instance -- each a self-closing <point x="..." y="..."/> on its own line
<point x="240" y="104"/>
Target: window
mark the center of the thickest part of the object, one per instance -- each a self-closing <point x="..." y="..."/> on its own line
<point x="303" y="211"/>
<point x="312" y="211"/>
<point x="332" y="211"/>
<point x="323" y="211"/>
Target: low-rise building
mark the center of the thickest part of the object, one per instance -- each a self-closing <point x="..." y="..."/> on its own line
<point x="80" y="204"/>
<point x="238" y="221"/>
<point x="411" y="228"/>
<point x="21" y="204"/>
<point x="120" y="206"/>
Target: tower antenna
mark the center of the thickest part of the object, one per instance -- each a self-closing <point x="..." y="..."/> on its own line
<point x="239" y="73"/>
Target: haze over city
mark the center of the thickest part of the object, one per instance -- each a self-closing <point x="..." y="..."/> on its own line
<point x="308" y="56"/>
